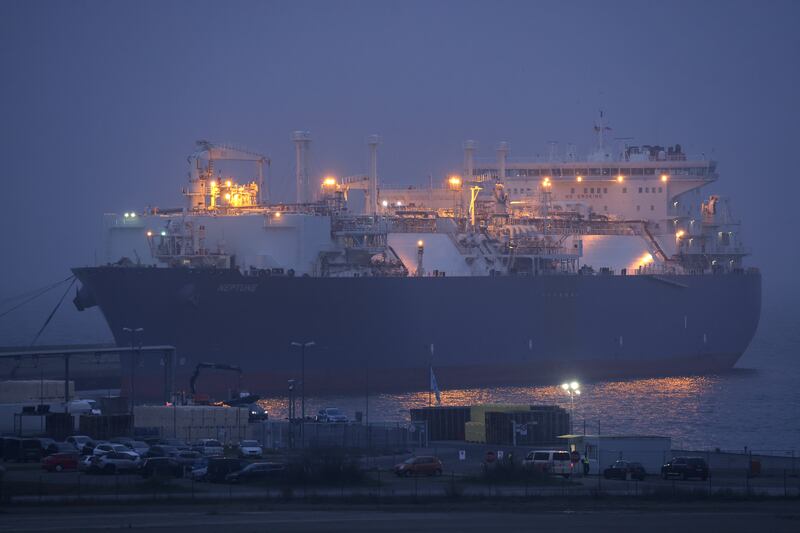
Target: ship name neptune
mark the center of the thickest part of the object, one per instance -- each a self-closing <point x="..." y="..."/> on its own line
<point x="237" y="287"/>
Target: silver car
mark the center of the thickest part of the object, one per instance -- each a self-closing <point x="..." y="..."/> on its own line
<point x="331" y="414"/>
<point x="250" y="448"/>
<point x="209" y="447"/>
<point x="107" y="447"/>
<point x="114" y="462"/>
<point x="138" y="446"/>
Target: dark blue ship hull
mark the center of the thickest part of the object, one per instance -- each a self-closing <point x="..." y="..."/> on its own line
<point x="376" y="333"/>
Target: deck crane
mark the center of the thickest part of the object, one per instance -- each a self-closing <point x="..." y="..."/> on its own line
<point x="210" y="152"/>
<point x="256" y="412"/>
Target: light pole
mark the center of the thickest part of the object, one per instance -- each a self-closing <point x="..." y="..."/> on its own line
<point x="302" y="346"/>
<point x="133" y="332"/>
<point x="291" y="413"/>
<point x="573" y="389"/>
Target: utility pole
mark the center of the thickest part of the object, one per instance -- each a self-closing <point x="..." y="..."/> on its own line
<point x="291" y="413"/>
<point x="302" y="346"/>
<point x="430" y="378"/>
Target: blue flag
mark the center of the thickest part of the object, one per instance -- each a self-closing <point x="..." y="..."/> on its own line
<point x="435" y="387"/>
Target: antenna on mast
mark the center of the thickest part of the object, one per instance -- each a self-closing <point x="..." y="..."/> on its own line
<point x="599" y="128"/>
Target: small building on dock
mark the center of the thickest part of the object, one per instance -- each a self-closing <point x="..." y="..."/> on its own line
<point x="603" y="450"/>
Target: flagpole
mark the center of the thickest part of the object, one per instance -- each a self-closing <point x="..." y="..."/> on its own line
<point x="430" y="382"/>
<point x="430" y="376"/>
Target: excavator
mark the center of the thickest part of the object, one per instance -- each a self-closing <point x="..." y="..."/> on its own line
<point x="242" y="400"/>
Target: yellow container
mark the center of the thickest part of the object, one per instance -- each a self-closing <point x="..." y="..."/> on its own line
<point x="475" y="432"/>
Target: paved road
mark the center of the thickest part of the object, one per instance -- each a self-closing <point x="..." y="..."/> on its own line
<point x="775" y="519"/>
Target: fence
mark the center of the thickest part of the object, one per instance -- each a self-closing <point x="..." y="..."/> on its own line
<point x="387" y="438"/>
<point x="25" y="484"/>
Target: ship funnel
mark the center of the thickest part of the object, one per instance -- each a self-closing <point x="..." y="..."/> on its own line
<point x="372" y="194"/>
<point x="469" y="159"/>
<point x="302" y="147"/>
<point x="502" y="156"/>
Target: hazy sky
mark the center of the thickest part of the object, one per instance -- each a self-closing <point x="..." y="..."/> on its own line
<point x="100" y="102"/>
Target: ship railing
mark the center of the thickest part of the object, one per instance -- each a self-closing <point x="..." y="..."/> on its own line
<point x="413" y="225"/>
<point x="484" y="161"/>
<point x="360" y="225"/>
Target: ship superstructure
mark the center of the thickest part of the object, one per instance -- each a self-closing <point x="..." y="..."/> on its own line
<point x="523" y="250"/>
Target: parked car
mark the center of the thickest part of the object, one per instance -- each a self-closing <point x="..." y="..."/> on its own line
<point x="121" y="440"/>
<point x="160" y="467"/>
<point x="419" y="466"/>
<point x="114" y="462"/>
<point x="138" y="446"/>
<point x="331" y="414"/>
<point x="209" y="447"/>
<point x="685" y="468"/>
<point x="46" y="445"/>
<point x="257" y="412"/>
<point x="176" y="443"/>
<point x="250" y="448"/>
<point x="556" y="462"/>
<point x="83" y="443"/>
<point x="199" y="473"/>
<point x="88" y="464"/>
<point x="106" y="447"/>
<point x="61" y="447"/>
<point x="58" y="462"/>
<point x="161" y="450"/>
<point x="219" y="467"/>
<point x="625" y="470"/>
<point x="256" y="472"/>
<point x="187" y="458"/>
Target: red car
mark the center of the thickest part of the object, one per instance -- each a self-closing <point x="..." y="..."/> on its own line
<point x="59" y="462"/>
<point x="416" y="466"/>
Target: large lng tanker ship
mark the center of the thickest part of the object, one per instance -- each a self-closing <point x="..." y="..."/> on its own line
<point x="515" y="271"/>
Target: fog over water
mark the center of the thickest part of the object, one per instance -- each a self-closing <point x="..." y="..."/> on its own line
<point x="100" y="102"/>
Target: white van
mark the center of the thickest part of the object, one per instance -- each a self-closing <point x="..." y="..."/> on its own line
<point x="556" y="462"/>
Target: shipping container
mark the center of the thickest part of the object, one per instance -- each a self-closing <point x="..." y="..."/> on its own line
<point x="444" y="423"/>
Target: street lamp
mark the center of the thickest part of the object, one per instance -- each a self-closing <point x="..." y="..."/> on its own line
<point x="573" y="389"/>
<point x="133" y="332"/>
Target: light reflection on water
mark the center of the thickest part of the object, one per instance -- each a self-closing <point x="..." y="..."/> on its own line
<point x="698" y="412"/>
<point x="646" y="406"/>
